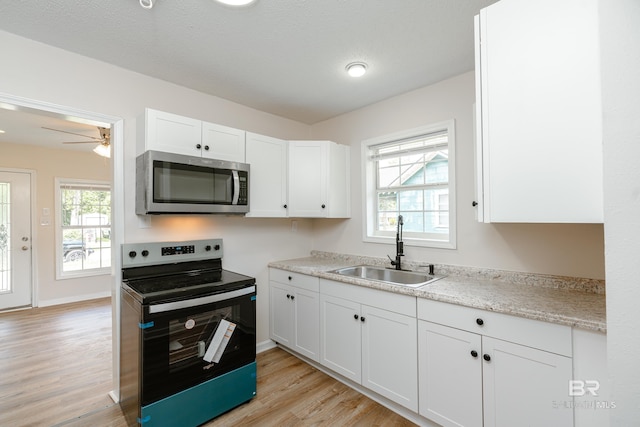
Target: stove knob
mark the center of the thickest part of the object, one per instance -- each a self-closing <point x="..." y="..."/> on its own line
<point x="145" y="253"/>
<point x="216" y="247"/>
<point x="132" y="254"/>
<point x="207" y="248"/>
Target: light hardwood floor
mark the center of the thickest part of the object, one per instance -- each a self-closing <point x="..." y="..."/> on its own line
<point x="55" y="370"/>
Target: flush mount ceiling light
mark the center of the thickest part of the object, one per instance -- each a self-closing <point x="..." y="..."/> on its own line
<point x="236" y="2"/>
<point x="356" y="69"/>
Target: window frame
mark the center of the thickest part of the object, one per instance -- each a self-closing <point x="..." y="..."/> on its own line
<point x="369" y="187"/>
<point x="59" y="232"/>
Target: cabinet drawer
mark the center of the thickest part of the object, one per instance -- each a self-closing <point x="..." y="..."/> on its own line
<point x="532" y="333"/>
<point x="402" y="304"/>
<point x="298" y="280"/>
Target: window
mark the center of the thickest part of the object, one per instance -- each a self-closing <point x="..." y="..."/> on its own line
<point x="411" y="173"/>
<point x="83" y="213"/>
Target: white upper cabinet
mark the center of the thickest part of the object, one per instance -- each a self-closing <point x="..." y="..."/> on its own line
<point x="267" y="158"/>
<point x="319" y="184"/>
<point x="171" y="133"/>
<point x="539" y="137"/>
<point x="168" y="132"/>
<point x="223" y="143"/>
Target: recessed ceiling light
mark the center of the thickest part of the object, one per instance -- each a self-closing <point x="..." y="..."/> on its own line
<point x="356" y="69"/>
<point x="1" y="131"/>
<point x="236" y="2"/>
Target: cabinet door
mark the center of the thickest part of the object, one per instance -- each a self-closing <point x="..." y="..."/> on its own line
<point x="268" y="176"/>
<point x="339" y="191"/>
<point x="540" y="111"/>
<point x="307" y="324"/>
<point x="389" y="355"/>
<point x="590" y="369"/>
<point x="450" y="369"/>
<point x="525" y="385"/>
<point x="171" y="133"/>
<point x="281" y="313"/>
<point x="340" y="336"/>
<point x="308" y="172"/>
<point x="222" y="143"/>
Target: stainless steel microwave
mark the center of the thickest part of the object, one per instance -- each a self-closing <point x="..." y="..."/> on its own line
<point x="172" y="183"/>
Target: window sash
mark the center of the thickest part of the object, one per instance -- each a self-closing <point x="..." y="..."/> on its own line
<point x="439" y="217"/>
<point x="97" y="254"/>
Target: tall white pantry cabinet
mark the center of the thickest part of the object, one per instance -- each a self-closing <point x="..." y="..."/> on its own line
<point x="538" y="112"/>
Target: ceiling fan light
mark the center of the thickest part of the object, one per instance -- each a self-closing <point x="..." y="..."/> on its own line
<point x="357" y="69"/>
<point x="102" y="150"/>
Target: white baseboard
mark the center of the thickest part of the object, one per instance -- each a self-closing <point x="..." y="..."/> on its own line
<point x="76" y="298"/>
<point x="114" y="396"/>
<point x="265" y="345"/>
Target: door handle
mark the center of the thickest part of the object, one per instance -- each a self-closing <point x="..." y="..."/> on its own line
<point x="25" y="248"/>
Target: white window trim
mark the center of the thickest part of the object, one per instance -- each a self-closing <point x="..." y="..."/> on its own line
<point x="60" y="274"/>
<point x="369" y="187"/>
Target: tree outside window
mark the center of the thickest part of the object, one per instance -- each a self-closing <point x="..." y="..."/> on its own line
<point x="85" y="228"/>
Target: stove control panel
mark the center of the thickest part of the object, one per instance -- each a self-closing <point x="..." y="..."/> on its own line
<point x="142" y="254"/>
<point x="179" y="250"/>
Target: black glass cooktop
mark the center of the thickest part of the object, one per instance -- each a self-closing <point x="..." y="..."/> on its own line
<point x="154" y="285"/>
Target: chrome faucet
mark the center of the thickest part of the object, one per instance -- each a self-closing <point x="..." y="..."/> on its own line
<point x="399" y="245"/>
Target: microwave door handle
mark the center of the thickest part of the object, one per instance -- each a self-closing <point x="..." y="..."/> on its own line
<point x="236" y="187"/>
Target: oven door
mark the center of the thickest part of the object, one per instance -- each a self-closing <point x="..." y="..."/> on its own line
<point x="185" y="343"/>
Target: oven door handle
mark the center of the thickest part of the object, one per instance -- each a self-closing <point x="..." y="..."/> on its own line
<point x="195" y="302"/>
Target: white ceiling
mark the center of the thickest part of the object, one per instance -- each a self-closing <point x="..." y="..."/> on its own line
<point x="27" y="127"/>
<point x="285" y="57"/>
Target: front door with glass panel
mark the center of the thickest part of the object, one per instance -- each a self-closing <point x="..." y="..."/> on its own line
<point x="15" y="239"/>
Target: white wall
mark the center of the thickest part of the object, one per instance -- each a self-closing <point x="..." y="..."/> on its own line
<point x="39" y="72"/>
<point x="559" y="249"/>
<point x="50" y="163"/>
<point x="619" y="37"/>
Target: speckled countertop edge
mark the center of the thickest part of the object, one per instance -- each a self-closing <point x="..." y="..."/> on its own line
<point x="567" y="301"/>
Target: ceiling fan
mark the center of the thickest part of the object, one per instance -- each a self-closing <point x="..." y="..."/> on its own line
<point x="104" y="141"/>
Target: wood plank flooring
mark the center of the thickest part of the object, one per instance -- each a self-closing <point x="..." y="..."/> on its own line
<point x="55" y="370"/>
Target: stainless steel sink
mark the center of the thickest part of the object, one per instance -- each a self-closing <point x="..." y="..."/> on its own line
<point x="412" y="279"/>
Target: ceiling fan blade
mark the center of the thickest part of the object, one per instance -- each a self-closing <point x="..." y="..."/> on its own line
<point x="84" y="142"/>
<point x="73" y="133"/>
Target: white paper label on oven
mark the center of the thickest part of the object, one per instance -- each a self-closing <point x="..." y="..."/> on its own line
<point x="219" y="342"/>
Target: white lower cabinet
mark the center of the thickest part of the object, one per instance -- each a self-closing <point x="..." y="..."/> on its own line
<point x="453" y="365"/>
<point x="294" y="314"/>
<point x="523" y="385"/>
<point x="480" y="376"/>
<point x="368" y="344"/>
<point x="450" y="375"/>
<point x="593" y="403"/>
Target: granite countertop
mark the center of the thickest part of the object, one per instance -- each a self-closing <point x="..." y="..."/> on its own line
<point x="567" y="301"/>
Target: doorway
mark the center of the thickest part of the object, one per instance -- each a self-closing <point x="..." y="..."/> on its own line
<point x="15" y="239"/>
<point x="116" y="126"/>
